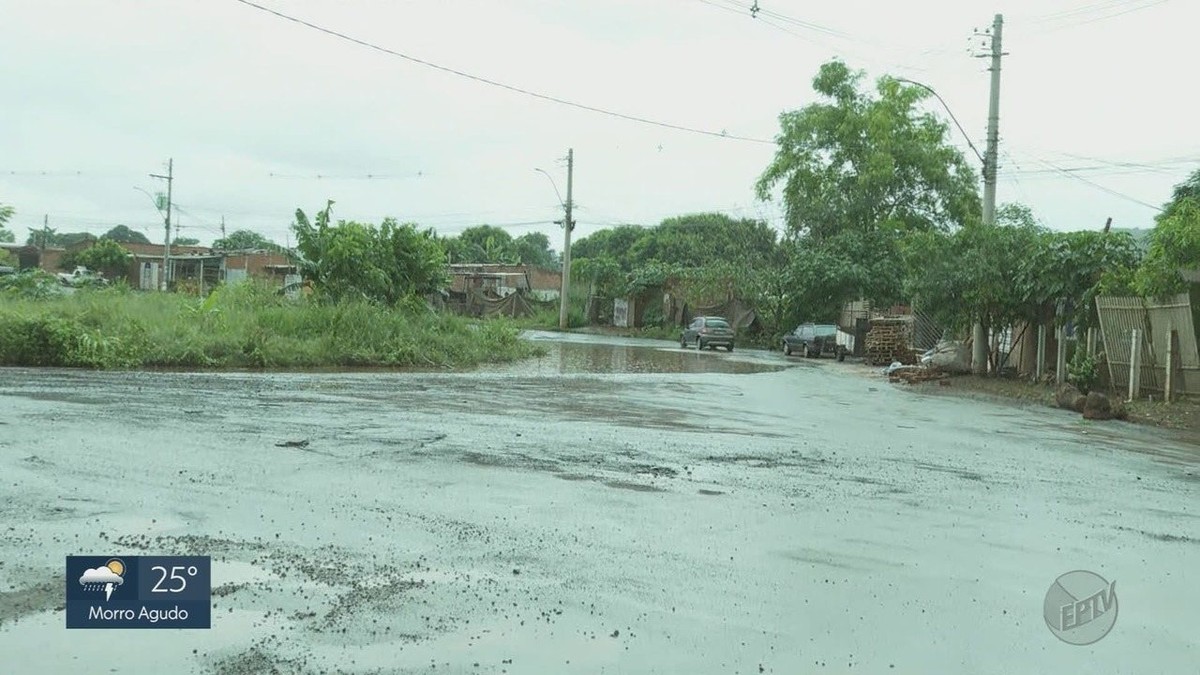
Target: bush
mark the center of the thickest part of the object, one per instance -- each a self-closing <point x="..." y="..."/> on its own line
<point x="241" y="326"/>
<point x="1083" y="370"/>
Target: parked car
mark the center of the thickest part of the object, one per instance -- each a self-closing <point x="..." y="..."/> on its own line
<point x="708" y="331"/>
<point x="813" y="340"/>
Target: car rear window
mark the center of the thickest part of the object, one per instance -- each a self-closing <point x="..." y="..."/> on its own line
<point x="826" y="330"/>
<point x="717" y="323"/>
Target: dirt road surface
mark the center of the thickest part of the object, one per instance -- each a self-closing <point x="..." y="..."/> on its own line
<point x="617" y="506"/>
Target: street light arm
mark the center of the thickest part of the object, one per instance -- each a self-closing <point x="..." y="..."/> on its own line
<point x="948" y="111"/>
<point x="551" y="179"/>
<point x="152" y="199"/>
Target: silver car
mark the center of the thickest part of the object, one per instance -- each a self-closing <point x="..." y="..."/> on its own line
<point x="708" y="331"/>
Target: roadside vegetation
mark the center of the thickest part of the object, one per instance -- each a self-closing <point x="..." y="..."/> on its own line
<point x="242" y="326"/>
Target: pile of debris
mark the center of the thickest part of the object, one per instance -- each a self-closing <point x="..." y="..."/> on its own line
<point x="888" y="341"/>
<point x="898" y="372"/>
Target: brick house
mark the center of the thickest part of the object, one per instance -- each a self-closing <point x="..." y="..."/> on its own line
<point x="504" y="280"/>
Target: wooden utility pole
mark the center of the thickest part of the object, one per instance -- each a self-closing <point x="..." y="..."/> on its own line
<point x="568" y="225"/>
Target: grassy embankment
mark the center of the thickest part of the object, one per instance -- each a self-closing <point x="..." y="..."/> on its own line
<point x="236" y="327"/>
<point x="1182" y="415"/>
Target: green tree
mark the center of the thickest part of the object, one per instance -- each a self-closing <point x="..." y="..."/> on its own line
<point x="864" y="161"/>
<point x="6" y="214"/>
<point x="533" y="248"/>
<point x="615" y="243"/>
<point x="124" y="235"/>
<point x="185" y="241"/>
<point x="105" y="256"/>
<point x="245" y="240"/>
<point x="486" y="244"/>
<point x="1188" y="190"/>
<point x="350" y="260"/>
<point x="697" y="240"/>
<point x="1174" y="247"/>
<point x="51" y="238"/>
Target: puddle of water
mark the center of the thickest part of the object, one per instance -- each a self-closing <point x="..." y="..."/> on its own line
<point x="584" y="357"/>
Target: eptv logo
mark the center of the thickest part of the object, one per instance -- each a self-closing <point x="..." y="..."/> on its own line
<point x="1081" y="607"/>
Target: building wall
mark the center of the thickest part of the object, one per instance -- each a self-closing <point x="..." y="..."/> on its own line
<point x="539" y="279"/>
<point x="258" y="265"/>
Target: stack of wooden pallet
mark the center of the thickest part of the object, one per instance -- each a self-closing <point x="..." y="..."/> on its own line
<point x="888" y="341"/>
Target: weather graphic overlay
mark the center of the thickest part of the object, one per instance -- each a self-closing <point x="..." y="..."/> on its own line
<point x="104" y="578"/>
<point x="139" y="592"/>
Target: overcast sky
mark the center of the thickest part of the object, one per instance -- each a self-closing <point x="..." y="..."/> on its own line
<point x="253" y="108"/>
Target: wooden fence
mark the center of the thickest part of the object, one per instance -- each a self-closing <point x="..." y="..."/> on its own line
<point x="1165" y="335"/>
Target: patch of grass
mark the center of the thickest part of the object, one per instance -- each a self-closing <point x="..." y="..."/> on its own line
<point x="242" y="326"/>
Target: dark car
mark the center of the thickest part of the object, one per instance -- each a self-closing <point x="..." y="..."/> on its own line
<point x="814" y="339"/>
<point x="708" y="331"/>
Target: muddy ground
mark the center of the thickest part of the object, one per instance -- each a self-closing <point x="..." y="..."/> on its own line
<point x="617" y="506"/>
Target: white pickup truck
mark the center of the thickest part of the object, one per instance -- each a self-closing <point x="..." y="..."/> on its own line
<point x="81" y="276"/>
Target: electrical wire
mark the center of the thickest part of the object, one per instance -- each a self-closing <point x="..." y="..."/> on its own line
<point x="1082" y="19"/>
<point x="1098" y="186"/>
<point x="502" y="85"/>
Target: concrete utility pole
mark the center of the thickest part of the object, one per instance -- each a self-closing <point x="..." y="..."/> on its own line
<point x="980" y="350"/>
<point x="568" y="225"/>
<point x="42" y="243"/>
<point x="993" y="137"/>
<point x="170" y="178"/>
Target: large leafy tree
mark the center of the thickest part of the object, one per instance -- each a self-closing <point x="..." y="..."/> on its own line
<point x="123" y="235"/>
<point x="186" y="241"/>
<point x="533" y="248"/>
<point x="388" y="264"/>
<point x="867" y="161"/>
<point x="614" y="243"/>
<point x="1174" y="242"/>
<point x="245" y="240"/>
<point x="106" y="256"/>
<point x="6" y="214"/>
<point x="484" y="244"/>
<point x="1174" y="248"/>
<point x="700" y="239"/>
<point x="51" y="238"/>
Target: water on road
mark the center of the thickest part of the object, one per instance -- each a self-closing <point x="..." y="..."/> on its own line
<point x="616" y="506"/>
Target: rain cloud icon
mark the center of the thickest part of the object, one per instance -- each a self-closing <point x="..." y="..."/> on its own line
<point x="104" y="578"/>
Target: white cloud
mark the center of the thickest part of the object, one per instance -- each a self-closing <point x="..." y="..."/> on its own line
<point x="100" y="575"/>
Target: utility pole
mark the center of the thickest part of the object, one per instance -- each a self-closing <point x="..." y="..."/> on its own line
<point x="42" y="243"/>
<point x="991" y="163"/>
<point x="981" y="348"/>
<point x="170" y="178"/>
<point x="224" y="250"/>
<point x="568" y="225"/>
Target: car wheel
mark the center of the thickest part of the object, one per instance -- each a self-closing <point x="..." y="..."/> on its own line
<point x="729" y="348"/>
<point x="787" y="349"/>
<point x="682" y="342"/>
<point x="841" y="355"/>
<point x="699" y="344"/>
<point x="807" y="351"/>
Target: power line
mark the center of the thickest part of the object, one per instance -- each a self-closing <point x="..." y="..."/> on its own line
<point x="1100" y="17"/>
<point x="501" y="85"/>
<point x="368" y="176"/>
<point x="1098" y="186"/>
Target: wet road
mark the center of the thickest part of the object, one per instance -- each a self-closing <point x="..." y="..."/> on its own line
<point x="616" y="506"/>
